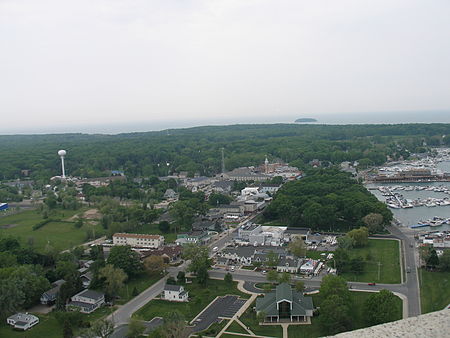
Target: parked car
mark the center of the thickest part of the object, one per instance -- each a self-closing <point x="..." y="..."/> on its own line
<point x="408" y="269"/>
<point x="264" y="272"/>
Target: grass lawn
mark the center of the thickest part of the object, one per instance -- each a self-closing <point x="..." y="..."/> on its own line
<point x="235" y="327"/>
<point x="248" y="267"/>
<point x="140" y="282"/>
<point x="227" y="335"/>
<point x="434" y="290"/>
<point x="214" y="329"/>
<point x="358" y="299"/>
<point x="378" y="250"/>
<point x="152" y="229"/>
<point x="61" y="235"/>
<point x="199" y="298"/>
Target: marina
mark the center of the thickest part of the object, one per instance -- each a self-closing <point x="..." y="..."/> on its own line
<point x="418" y="204"/>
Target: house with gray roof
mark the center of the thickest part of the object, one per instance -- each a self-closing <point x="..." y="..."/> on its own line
<point x="288" y="264"/>
<point x="86" y="301"/>
<point x="22" y="321"/>
<point x="285" y="305"/>
<point x="49" y="296"/>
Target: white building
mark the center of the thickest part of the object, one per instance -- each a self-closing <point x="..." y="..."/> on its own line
<point x="175" y="293"/>
<point x="86" y="301"/>
<point x="138" y="240"/>
<point x="308" y="267"/>
<point x="22" y="321"/>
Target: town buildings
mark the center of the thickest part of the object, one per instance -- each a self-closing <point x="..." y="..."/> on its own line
<point x="138" y="240"/>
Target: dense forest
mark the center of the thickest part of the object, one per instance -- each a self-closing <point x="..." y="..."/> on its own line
<point x="197" y="150"/>
<point x="325" y="199"/>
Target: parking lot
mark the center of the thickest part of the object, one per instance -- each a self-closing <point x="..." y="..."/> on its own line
<point x="222" y="307"/>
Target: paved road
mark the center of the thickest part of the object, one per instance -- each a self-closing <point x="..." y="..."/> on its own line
<point x="410" y="255"/>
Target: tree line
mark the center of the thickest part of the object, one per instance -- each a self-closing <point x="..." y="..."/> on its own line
<point x="197" y="150"/>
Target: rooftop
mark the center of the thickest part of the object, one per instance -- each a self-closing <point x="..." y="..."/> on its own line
<point x="119" y="234"/>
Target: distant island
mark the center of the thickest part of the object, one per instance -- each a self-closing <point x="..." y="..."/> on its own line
<point x="306" y="119"/>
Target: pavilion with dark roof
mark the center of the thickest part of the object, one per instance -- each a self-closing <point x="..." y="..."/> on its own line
<point x="285" y="304"/>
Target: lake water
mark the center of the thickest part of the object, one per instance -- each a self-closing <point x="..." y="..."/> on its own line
<point x="414" y="215"/>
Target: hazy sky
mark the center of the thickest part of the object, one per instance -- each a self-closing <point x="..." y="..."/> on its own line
<point x="68" y="64"/>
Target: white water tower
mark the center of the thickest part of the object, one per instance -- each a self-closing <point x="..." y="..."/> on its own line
<point x="61" y="154"/>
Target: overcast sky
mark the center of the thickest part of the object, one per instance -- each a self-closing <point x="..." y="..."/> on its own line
<point x="83" y="64"/>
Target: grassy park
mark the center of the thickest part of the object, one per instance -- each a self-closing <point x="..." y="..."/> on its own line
<point x="434" y="290"/>
<point x="382" y="262"/>
<point x="140" y="282"/>
<point x="199" y="298"/>
<point x="60" y="235"/>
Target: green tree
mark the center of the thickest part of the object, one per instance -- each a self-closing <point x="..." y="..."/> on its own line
<point x="346" y="242"/>
<point x="299" y="286"/>
<point x="380" y="308"/>
<point x="272" y="276"/>
<point x="125" y="258"/>
<point x="334" y="315"/>
<point x="284" y="277"/>
<point x="102" y="328"/>
<point x="181" y="277"/>
<point x="135" y="329"/>
<point x="373" y="222"/>
<point x="433" y="260"/>
<point x="261" y="316"/>
<point x="164" y="226"/>
<point x="199" y="257"/>
<point x="444" y="261"/>
<point x="11" y="298"/>
<point x="228" y="278"/>
<point x="360" y="236"/>
<point x="7" y="259"/>
<point x="174" y="325"/>
<point x="114" y="279"/>
<point x="31" y="281"/>
<point x="154" y="264"/>
<point x="297" y="247"/>
<point x="334" y="285"/>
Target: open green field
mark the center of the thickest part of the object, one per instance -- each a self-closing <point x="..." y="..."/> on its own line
<point x="60" y="235"/>
<point x="385" y="252"/>
<point x="199" y="298"/>
<point x="152" y="229"/>
<point x="140" y="282"/>
<point x="434" y="290"/>
<point x="358" y="298"/>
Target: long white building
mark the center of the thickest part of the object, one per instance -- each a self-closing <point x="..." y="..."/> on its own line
<point x="138" y="240"/>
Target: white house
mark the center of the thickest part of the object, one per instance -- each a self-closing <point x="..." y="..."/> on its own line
<point x="175" y="293"/>
<point x="86" y="301"/>
<point x="138" y="240"/>
<point x="22" y="321"/>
